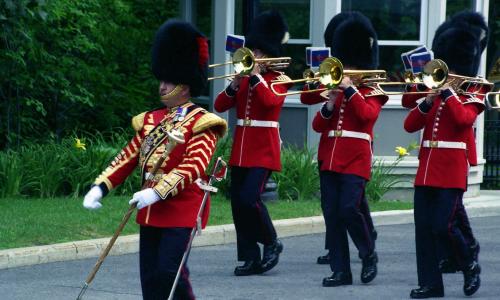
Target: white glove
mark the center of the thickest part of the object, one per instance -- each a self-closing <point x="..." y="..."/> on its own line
<point x="144" y="198"/>
<point x="92" y="198"/>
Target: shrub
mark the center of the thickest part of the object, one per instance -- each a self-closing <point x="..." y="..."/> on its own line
<point x="298" y="179"/>
<point x="383" y="177"/>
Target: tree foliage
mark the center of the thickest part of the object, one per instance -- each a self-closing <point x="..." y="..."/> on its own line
<point x="75" y="65"/>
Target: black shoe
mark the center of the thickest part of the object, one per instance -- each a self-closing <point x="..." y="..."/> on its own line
<point x="251" y="267"/>
<point x="271" y="255"/>
<point x="427" y="292"/>
<point x="369" y="268"/>
<point x="472" y="281"/>
<point x="338" y="278"/>
<point x="324" y="259"/>
<point x="475" y="251"/>
<point x="448" y="266"/>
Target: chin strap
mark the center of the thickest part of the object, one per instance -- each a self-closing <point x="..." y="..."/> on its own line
<point x="173" y="93"/>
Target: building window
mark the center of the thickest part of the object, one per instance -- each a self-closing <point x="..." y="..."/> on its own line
<point x="454" y="6"/>
<point x="393" y="20"/>
<point x="399" y="26"/>
<point x="297" y="14"/>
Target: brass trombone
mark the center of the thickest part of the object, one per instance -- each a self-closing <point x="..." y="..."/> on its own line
<point x="244" y="60"/>
<point x="434" y="75"/>
<point x="330" y="74"/>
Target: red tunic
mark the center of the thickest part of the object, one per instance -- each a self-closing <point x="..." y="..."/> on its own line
<point x="255" y="146"/>
<point x="450" y="119"/>
<point x="410" y="101"/>
<point x="357" y="112"/>
<point x="312" y="97"/>
<point x="174" y="181"/>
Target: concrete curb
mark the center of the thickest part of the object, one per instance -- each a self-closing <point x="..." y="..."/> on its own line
<point x="212" y="235"/>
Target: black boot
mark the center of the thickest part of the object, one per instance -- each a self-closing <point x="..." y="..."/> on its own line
<point x="448" y="266"/>
<point x="472" y="281"/>
<point x="251" y="267"/>
<point x="337" y="279"/>
<point x="427" y="292"/>
<point x="369" y="268"/>
<point x="271" y="255"/>
<point x="324" y="260"/>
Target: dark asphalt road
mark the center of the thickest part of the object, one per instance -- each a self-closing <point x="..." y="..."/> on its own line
<point x="296" y="277"/>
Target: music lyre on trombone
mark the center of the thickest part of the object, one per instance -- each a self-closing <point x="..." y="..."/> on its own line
<point x="244" y="60"/>
<point x="330" y="74"/>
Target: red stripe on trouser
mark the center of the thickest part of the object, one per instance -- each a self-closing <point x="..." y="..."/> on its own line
<point x="259" y="210"/>
<point x="187" y="283"/>
<point x="450" y="222"/>
<point x="365" y="224"/>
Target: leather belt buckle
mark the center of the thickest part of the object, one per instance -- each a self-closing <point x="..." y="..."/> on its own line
<point x="434" y="144"/>
<point x="247" y="122"/>
<point x="338" y="133"/>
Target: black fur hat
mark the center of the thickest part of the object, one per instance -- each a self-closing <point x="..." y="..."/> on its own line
<point x="355" y="42"/>
<point x="460" y="42"/>
<point x="180" y="56"/>
<point x="268" y="32"/>
<point x="333" y="24"/>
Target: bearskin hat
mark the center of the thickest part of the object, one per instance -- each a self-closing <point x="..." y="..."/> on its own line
<point x="268" y="32"/>
<point x="333" y="24"/>
<point x="355" y="42"/>
<point x="460" y="42"/>
<point x="180" y="56"/>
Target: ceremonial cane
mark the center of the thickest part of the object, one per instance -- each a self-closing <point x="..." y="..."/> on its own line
<point x="218" y="173"/>
<point x="174" y="137"/>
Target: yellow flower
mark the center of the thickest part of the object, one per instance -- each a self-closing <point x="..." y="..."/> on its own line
<point x="79" y="145"/>
<point x="401" y="151"/>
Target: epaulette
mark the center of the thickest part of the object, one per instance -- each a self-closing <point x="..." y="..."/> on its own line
<point x="472" y="99"/>
<point x="211" y="120"/>
<point x="283" y="77"/>
<point x="138" y="121"/>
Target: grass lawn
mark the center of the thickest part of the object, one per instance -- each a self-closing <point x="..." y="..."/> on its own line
<point x="32" y="222"/>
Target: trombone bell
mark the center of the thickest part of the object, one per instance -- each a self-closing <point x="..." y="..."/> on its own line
<point x="435" y="74"/>
<point x="243" y="61"/>
<point x="331" y="72"/>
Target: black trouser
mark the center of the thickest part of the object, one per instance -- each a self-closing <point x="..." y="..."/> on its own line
<point x="161" y="251"/>
<point x="364" y="208"/>
<point x="445" y="249"/>
<point x="435" y="212"/>
<point x="251" y="218"/>
<point x="342" y="198"/>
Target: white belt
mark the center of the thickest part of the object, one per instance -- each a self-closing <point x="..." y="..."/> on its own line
<point x="443" y="144"/>
<point x="348" y="133"/>
<point x="257" y="123"/>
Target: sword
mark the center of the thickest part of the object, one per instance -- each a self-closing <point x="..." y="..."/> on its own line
<point x="219" y="173"/>
<point x="174" y="137"/>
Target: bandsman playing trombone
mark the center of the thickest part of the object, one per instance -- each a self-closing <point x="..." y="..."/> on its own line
<point x="448" y="148"/>
<point x="256" y="145"/>
<point x="311" y="98"/>
<point x="168" y="208"/>
<point x="346" y="123"/>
